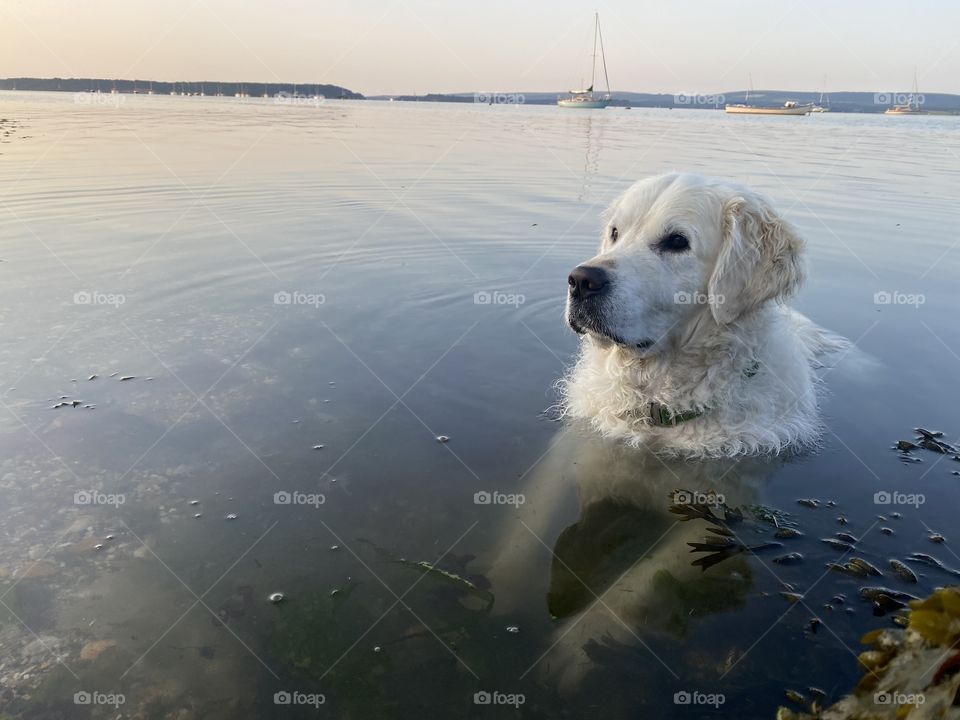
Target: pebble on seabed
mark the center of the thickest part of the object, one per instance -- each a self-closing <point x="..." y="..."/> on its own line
<point x="442" y="438"/>
<point x="276" y="597"/>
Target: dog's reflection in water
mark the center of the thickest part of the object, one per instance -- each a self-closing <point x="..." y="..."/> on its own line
<point x="620" y="567"/>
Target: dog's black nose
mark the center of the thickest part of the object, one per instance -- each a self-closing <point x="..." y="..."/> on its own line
<point x="586" y="282"/>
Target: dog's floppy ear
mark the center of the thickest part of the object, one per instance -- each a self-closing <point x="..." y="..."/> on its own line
<point x="759" y="259"/>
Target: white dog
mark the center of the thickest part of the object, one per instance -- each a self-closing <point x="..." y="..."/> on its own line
<point x="687" y="350"/>
<point x="686" y="346"/>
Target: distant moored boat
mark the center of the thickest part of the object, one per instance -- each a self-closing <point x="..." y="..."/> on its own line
<point x="788" y="108"/>
<point x="587" y="98"/>
<point x="912" y="106"/>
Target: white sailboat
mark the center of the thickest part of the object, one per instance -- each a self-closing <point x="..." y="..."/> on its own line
<point x="912" y="106"/>
<point x="587" y="98"/>
<point x="790" y="107"/>
<point x="821" y="106"/>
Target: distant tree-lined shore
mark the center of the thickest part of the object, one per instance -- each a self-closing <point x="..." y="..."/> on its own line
<point x="195" y="87"/>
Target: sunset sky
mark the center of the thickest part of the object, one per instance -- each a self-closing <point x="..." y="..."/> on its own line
<point x="407" y="46"/>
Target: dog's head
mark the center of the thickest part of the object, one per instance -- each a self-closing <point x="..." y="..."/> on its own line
<point x="680" y="246"/>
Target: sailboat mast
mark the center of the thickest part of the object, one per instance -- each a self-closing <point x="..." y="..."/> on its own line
<point x="915" y="100"/>
<point x="593" y="69"/>
<point x="603" y="55"/>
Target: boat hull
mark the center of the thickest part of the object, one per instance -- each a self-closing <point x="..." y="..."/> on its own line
<point x="585" y="104"/>
<point x="896" y="111"/>
<point x="751" y="110"/>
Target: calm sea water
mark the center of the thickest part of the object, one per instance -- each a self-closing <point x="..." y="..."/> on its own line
<point x="307" y="296"/>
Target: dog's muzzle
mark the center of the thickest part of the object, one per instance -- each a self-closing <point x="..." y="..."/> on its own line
<point x="589" y="286"/>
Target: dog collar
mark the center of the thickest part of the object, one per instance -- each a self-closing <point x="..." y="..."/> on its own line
<point x="661" y="416"/>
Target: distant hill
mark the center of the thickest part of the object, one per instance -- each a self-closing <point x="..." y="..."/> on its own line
<point x="859" y="102"/>
<point x="207" y="87"/>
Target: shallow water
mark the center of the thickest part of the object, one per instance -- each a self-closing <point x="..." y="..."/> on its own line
<point x="151" y="236"/>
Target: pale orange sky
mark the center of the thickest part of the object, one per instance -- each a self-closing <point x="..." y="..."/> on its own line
<point x="406" y="46"/>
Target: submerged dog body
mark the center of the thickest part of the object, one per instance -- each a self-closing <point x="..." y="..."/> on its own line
<point x="687" y="347"/>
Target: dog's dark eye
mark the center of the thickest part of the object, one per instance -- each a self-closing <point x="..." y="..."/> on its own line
<point x="674" y="242"/>
<point x="614" y="234"/>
